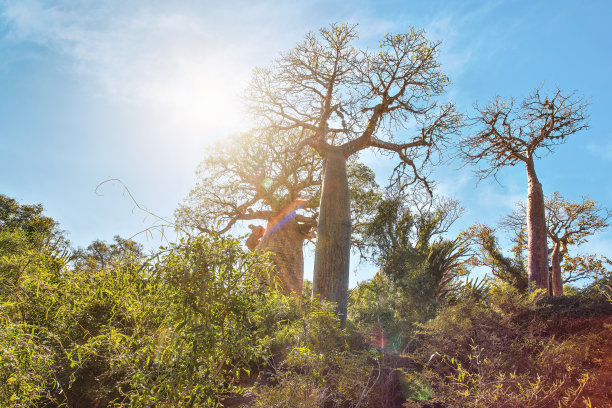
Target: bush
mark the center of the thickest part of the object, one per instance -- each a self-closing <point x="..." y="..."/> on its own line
<point x="510" y="351"/>
<point x="187" y="335"/>
<point x="312" y="362"/>
<point x="26" y="366"/>
<point x="175" y="330"/>
<point x="380" y="311"/>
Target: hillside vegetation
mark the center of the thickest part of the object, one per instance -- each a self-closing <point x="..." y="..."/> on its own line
<point x="201" y="323"/>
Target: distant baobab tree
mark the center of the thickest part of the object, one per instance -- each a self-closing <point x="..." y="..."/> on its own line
<point x="508" y="134"/>
<point x="568" y="224"/>
<point x="253" y="176"/>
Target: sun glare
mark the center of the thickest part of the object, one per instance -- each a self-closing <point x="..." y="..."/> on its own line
<point x="198" y="101"/>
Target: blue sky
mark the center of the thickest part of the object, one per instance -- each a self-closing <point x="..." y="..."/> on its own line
<point x="137" y="90"/>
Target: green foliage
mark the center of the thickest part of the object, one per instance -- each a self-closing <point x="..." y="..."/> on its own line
<point x="38" y="230"/>
<point x="380" y="311"/>
<point x="415" y="386"/>
<point x="99" y="255"/>
<point x="312" y="362"/>
<point x="487" y="253"/>
<point x="200" y="324"/>
<point x="601" y="287"/>
<point x="365" y="196"/>
<point x="338" y="379"/>
<point x="182" y="328"/>
<point x="26" y="365"/>
<point x="286" y="321"/>
<point x="30" y="271"/>
<point x="27" y="218"/>
<point x="174" y="330"/>
<point x="190" y="334"/>
<point x="419" y="269"/>
<point x="412" y="252"/>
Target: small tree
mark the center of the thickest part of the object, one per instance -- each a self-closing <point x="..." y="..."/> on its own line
<point x="407" y="238"/>
<point x="100" y="255"/>
<point x="487" y="252"/>
<point x="39" y="229"/>
<point x="568" y="224"/>
<point x="24" y="229"/>
<point x="341" y="100"/>
<point x="596" y="267"/>
<point x="507" y="135"/>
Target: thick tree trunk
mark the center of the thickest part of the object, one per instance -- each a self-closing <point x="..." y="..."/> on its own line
<point x="537" y="249"/>
<point x="332" y="253"/>
<point x="557" y="283"/>
<point x="285" y="241"/>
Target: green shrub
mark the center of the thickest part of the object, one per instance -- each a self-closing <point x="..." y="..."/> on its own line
<point x="382" y="313"/>
<point x="186" y="333"/>
<point x="176" y="330"/>
<point x="26" y="366"/>
<point x="311" y="361"/>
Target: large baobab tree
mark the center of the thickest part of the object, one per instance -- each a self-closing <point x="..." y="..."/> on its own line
<point x="568" y="224"/>
<point x="254" y="176"/>
<point x="509" y="134"/>
<point x="343" y="99"/>
<point x="258" y="176"/>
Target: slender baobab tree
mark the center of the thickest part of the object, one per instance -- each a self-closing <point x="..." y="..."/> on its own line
<point x="343" y="99"/>
<point x="507" y="135"/>
<point x="568" y="224"/>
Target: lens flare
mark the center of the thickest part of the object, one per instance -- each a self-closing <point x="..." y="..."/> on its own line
<point x="267" y="183"/>
<point x="285" y="215"/>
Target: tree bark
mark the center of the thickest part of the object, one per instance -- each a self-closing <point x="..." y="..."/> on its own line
<point x="537" y="248"/>
<point x="557" y="282"/>
<point x="285" y="241"/>
<point x="332" y="253"/>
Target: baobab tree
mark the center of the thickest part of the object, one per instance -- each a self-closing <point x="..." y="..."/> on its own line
<point x="253" y="176"/>
<point x="568" y="224"/>
<point x="258" y="176"/>
<point x="507" y="135"/>
<point x="343" y="99"/>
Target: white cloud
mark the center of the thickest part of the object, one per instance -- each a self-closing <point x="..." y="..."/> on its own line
<point x="604" y="151"/>
<point x="187" y="64"/>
